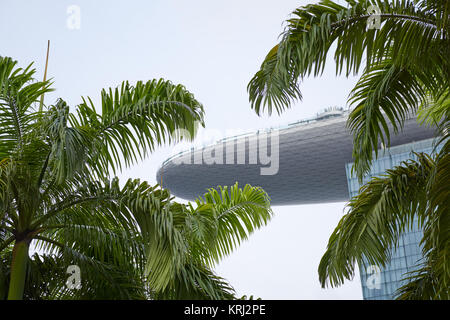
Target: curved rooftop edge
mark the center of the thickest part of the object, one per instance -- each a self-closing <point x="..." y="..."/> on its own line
<point x="301" y="163"/>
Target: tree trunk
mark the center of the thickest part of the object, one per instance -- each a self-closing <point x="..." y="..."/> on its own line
<point x="18" y="270"/>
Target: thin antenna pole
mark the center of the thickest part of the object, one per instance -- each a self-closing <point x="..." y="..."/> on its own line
<point x="41" y="104"/>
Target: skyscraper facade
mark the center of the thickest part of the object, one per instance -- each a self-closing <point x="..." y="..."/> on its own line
<point x="381" y="284"/>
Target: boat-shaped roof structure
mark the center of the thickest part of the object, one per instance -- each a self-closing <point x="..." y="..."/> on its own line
<point x="312" y="155"/>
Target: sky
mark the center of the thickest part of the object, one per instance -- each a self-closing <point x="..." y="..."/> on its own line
<point x="213" y="48"/>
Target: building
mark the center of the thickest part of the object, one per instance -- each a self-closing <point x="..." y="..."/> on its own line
<point x="408" y="252"/>
<point x="304" y="162"/>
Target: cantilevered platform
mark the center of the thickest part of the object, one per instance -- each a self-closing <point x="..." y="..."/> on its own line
<point x="311" y="169"/>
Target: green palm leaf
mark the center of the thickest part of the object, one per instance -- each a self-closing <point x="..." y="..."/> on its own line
<point x="386" y="207"/>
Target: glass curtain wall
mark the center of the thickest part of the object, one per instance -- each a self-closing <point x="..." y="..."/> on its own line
<point x="381" y="284"/>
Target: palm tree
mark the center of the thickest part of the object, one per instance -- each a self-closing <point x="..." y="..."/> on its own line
<point x="57" y="189"/>
<point x="405" y="70"/>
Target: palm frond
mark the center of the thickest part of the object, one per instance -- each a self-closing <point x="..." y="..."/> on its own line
<point x="136" y="119"/>
<point x="238" y="212"/>
<point x="384" y="97"/>
<point x="383" y="209"/>
<point x="18" y="93"/>
<point x="314" y="28"/>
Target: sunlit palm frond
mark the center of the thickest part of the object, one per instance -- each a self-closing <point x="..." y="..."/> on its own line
<point x="384" y="97"/>
<point x="197" y="282"/>
<point x="18" y="93"/>
<point x="313" y="29"/>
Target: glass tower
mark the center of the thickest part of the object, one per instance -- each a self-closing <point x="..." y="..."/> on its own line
<point x="381" y="284"/>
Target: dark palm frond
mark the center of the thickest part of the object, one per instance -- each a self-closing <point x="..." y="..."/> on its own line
<point x="404" y="63"/>
<point x="18" y="93"/>
<point x="383" y="209"/>
<point x="384" y="97"/>
<point x="102" y="226"/>
<point x="423" y="284"/>
<point x="197" y="282"/>
<point x="221" y="220"/>
<point x="405" y="70"/>
<point x="313" y="29"/>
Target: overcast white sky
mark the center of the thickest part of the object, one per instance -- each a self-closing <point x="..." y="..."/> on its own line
<point x="213" y="48"/>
